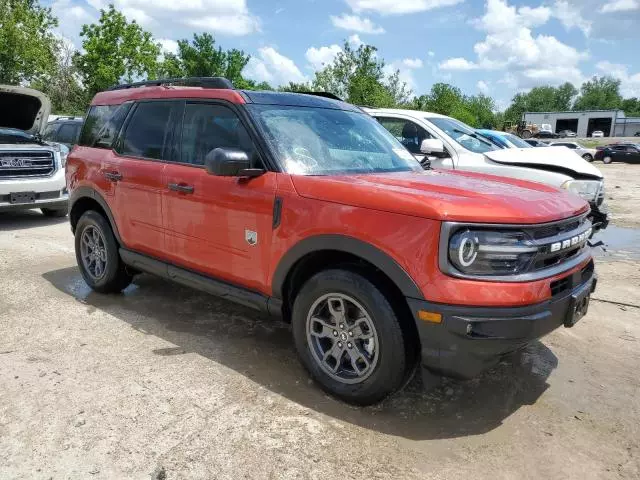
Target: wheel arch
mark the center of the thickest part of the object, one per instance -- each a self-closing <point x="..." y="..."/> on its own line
<point x="86" y="198"/>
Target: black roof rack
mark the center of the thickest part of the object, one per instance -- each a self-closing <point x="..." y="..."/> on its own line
<point x="204" y="82"/>
<point x="323" y="94"/>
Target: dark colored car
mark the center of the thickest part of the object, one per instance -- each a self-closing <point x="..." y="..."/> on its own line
<point x="308" y="209"/>
<point x="65" y="130"/>
<point x="535" y="143"/>
<point x="546" y="134"/>
<point x="619" y="152"/>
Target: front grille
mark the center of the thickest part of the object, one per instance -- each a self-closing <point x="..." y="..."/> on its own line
<point x="558" y="232"/>
<point x="26" y="164"/>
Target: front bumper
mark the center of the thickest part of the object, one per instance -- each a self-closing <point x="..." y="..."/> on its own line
<point x="471" y="339"/>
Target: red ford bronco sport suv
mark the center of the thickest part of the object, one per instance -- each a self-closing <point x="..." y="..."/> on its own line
<point x="306" y="208"/>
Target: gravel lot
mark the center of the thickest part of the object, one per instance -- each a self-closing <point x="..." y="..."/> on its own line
<point x="165" y="382"/>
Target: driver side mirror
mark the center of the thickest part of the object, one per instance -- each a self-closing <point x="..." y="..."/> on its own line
<point x="230" y="162"/>
<point x="432" y="145"/>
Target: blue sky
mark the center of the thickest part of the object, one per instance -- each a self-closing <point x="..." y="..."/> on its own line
<point x="498" y="47"/>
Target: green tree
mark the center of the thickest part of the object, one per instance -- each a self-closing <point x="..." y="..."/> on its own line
<point x="115" y="50"/>
<point x="631" y="107"/>
<point x="599" y="93"/>
<point x="27" y="44"/>
<point x="62" y="85"/>
<point x="445" y="99"/>
<point x="357" y="75"/>
<point x="295" y="87"/>
<point x="541" y="99"/>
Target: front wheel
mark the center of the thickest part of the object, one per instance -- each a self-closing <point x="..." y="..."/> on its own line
<point x="97" y="255"/>
<point x="588" y="157"/>
<point x="348" y="337"/>
<point x="607" y="160"/>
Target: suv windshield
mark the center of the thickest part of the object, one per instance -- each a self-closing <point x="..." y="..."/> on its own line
<point x="321" y="141"/>
<point x="462" y="134"/>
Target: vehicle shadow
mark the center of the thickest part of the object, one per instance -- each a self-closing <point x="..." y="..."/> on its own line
<point x="261" y="348"/>
<point x="23" y="219"/>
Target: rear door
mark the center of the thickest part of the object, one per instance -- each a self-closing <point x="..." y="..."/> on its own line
<point x="141" y="151"/>
<point x="220" y="226"/>
<point x="632" y="154"/>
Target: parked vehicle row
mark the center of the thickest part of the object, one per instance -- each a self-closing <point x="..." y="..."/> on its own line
<point x="308" y="209"/>
<point x="619" y="152"/>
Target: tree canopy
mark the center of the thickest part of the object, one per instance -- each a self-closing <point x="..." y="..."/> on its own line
<point x="27" y="43"/>
<point x="599" y="93"/>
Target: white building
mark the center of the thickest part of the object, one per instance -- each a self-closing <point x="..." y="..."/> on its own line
<point x="611" y="122"/>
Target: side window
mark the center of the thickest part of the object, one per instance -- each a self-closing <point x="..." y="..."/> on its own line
<point x="409" y="134"/>
<point x="206" y="127"/>
<point x="572" y="146"/>
<point x="96" y="119"/>
<point x="67" y="133"/>
<point x="631" y="149"/>
<point x="146" y="132"/>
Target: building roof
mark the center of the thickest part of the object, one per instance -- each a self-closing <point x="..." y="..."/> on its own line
<point x="618" y="111"/>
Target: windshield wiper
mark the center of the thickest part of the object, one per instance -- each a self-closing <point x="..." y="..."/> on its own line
<point x="474" y="135"/>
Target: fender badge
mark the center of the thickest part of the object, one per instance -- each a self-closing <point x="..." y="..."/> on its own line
<point x="251" y="237"/>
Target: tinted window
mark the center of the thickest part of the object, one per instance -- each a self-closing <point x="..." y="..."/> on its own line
<point x="462" y="134"/>
<point x="631" y="149"/>
<point x="409" y="134"/>
<point x="206" y="127"/>
<point x="68" y="132"/>
<point x="146" y="133"/>
<point x="96" y="119"/>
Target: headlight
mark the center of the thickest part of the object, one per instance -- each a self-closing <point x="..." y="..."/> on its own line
<point x="62" y="150"/>
<point x="587" y="189"/>
<point x="491" y="252"/>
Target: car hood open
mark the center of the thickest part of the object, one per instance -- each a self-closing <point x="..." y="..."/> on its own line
<point x="555" y="159"/>
<point x="24" y="109"/>
<point x="445" y="195"/>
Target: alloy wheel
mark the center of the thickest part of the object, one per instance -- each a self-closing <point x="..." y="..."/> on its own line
<point x="342" y="338"/>
<point x="93" y="252"/>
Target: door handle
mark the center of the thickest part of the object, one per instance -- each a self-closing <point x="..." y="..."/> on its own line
<point x="178" y="187"/>
<point x="113" y="176"/>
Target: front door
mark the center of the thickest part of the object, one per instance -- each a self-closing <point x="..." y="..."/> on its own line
<point x="142" y="149"/>
<point x="219" y="226"/>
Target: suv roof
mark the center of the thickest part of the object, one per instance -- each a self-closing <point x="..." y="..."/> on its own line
<point x="401" y="111"/>
<point x="219" y="89"/>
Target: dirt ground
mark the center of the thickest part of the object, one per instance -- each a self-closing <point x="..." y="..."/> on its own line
<point x="165" y="382"/>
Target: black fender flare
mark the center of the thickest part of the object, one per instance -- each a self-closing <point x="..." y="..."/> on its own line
<point x="343" y="243"/>
<point x="88" y="192"/>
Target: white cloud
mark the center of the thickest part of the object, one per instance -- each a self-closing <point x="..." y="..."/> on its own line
<point x="355" y="40"/>
<point x="412" y="63"/>
<point x="221" y="17"/>
<point x="629" y="84"/>
<point x="570" y="16"/>
<point x="431" y="53"/>
<point x="168" y="45"/>
<point x="356" y="24"/>
<point x="510" y="46"/>
<point x="70" y="17"/>
<point x="483" y="87"/>
<point x="457" y="63"/>
<point x="319" y="57"/>
<point x="398" y="7"/>
<point x="620" y="6"/>
<point x="273" y="67"/>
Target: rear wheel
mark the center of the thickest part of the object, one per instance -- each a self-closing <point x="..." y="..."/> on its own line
<point x="588" y="157"/>
<point x="349" y="337"/>
<point x="526" y="134"/>
<point x="607" y="159"/>
<point x="54" y="212"/>
<point x="97" y="255"/>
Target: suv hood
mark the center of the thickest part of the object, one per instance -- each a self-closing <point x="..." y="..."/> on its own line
<point x="446" y="195"/>
<point x="554" y="159"/>
<point x="24" y="109"/>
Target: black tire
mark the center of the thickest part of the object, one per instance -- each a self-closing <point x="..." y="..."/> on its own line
<point x="588" y="157"/>
<point x="54" y="212"/>
<point x="390" y="370"/>
<point x="115" y="277"/>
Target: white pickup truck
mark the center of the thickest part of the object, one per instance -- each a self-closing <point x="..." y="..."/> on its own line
<point x="31" y="170"/>
<point x="449" y="143"/>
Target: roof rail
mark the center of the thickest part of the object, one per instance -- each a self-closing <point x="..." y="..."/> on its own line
<point x="323" y="94"/>
<point x="204" y="82"/>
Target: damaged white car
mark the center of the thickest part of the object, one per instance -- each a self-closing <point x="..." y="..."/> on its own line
<point x="31" y="170"/>
<point x="444" y="142"/>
